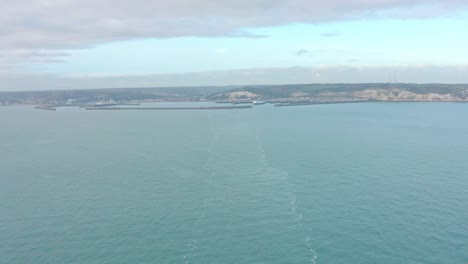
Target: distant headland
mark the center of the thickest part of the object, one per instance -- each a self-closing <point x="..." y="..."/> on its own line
<point x="280" y="95"/>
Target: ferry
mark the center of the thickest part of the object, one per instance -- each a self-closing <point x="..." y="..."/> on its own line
<point x="108" y="103"/>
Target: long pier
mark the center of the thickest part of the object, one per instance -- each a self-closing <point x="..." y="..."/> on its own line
<point x="172" y="108"/>
<point x="46" y="107"/>
<point x="320" y="103"/>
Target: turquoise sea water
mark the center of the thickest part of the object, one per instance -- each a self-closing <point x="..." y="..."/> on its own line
<point x="350" y="183"/>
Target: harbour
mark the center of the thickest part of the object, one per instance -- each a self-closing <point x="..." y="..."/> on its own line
<point x="173" y="108"/>
<point x="46" y="107"/>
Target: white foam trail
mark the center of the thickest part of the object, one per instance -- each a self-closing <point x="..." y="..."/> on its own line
<point x="298" y="217"/>
<point x="187" y="261"/>
<point x="192" y="246"/>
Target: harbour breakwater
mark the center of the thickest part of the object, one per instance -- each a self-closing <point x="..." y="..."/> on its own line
<point x="172" y="108"/>
<point x="284" y="104"/>
<point x="46" y="107"/>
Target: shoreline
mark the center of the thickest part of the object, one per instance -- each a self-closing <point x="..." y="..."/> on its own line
<point x="235" y="105"/>
<point x="170" y="108"/>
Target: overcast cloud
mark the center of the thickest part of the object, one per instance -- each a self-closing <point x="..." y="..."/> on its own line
<point x="68" y="24"/>
<point x="40" y="30"/>
<point x="320" y="74"/>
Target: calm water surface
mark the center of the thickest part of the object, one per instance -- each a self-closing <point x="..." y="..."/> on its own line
<point x="351" y="183"/>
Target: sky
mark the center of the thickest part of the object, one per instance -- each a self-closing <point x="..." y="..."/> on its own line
<point x="68" y="44"/>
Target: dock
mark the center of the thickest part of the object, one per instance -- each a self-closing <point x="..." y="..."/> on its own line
<point x="285" y="104"/>
<point x="46" y="107"/>
<point x="173" y="108"/>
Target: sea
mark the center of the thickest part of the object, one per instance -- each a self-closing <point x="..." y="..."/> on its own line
<point x="362" y="183"/>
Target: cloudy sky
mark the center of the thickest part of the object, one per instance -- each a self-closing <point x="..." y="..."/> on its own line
<point x="71" y="44"/>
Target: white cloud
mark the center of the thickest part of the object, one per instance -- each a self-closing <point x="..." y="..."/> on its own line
<point x="302" y="52"/>
<point x="69" y="24"/>
<point x="327" y="74"/>
<point x="41" y="30"/>
<point x="221" y="51"/>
